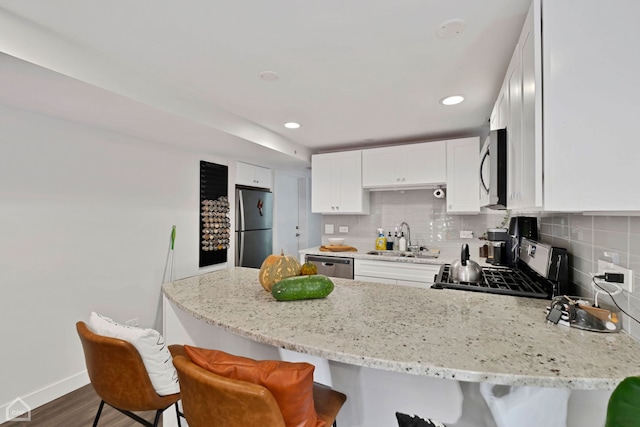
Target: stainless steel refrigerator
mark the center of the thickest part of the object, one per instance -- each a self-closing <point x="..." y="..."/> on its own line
<point x="254" y="224"/>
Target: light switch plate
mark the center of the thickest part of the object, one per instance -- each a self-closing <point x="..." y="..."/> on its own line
<point x="343" y="229"/>
<point x="609" y="267"/>
<point x="466" y="234"/>
<point x="328" y="229"/>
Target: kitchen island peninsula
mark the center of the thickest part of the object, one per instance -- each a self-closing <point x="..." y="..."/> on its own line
<point x="446" y="335"/>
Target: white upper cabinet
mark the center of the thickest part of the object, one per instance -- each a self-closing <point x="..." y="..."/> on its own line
<point x="571" y="143"/>
<point x="336" y="184"/>
<point x="409" y="166"/>
<point x="463" y="178"/>
<point x="518" y="108"/>
<point x="524" y="128"/>
<point x="499" y="115"/>
<point x="591" y="109"/>
<point x="253" y="176"/>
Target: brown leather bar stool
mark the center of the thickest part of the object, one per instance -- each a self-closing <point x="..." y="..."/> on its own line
<point x="210" y="400"/>
<point x="119" y="377"/>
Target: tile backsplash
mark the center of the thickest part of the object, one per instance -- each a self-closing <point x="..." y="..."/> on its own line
<point x="590" y="238"/>
<point x="587" y="238"/>
<point x="426" y="215"/>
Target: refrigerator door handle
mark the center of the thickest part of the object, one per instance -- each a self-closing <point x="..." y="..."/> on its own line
<point x="241" y="210"/>
<point x="241" y="234"/>
<point x="241" y="245"/>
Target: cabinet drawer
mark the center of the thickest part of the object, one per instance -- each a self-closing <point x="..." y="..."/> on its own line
<point x="398" y="271"/>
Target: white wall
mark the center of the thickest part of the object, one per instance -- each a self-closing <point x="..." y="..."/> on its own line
<point x="85" y="219"/>
<point x="292" y="205"/>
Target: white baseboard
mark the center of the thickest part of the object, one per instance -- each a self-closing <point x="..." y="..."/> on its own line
<point x="46" y="394"/>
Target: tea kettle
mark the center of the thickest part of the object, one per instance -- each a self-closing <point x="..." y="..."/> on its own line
<point x="464" y="269"/>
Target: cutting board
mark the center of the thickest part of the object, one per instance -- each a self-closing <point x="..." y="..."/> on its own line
<point x="338" y="248"/>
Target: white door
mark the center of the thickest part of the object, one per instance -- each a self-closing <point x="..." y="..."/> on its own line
<point x="286" y="233"/>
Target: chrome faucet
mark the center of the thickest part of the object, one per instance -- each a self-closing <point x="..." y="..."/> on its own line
<point x="408" y="232"/>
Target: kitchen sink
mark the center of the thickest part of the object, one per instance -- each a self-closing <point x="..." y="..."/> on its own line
<point x="406" y="254"/>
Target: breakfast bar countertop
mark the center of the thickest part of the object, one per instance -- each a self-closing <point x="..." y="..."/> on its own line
<point x="448" y="334"/>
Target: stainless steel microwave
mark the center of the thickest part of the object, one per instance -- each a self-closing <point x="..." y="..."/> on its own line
<point x="493" y="170"/>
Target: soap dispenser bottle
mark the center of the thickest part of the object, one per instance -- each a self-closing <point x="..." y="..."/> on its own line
<point x="381" y="241"/>
<point x="402" y="243"/>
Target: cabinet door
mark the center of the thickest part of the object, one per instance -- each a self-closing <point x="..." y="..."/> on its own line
<point x="336" y="185"/>
<point x="352" y="198"/>
<point x="426" y="163"/>
<point x="591" y="107"/>
<point x="462" y="175"/>
<point x="395" y="272"/>
<point x="254" y="176"/>
<point x="379" y="167"/>
<point x="514" y="132"/>
<point x="263" y="177"/>
<point x="498" y="118"/>
<point x="411" y="165"/>
<point x="324" y="182"/>
<point x="524" y="122"/>
<point x="531" y="60"/>
<point x="244" y="174"/>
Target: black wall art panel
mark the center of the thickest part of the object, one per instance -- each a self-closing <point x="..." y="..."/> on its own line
<point x="215" y="224"/>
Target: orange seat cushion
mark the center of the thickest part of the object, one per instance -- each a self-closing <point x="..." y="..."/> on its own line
<point x="290" y="383"/>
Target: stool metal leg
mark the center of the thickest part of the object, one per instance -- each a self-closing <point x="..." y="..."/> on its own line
<point x="178" y="414"/>
<point x="95" y="420"/>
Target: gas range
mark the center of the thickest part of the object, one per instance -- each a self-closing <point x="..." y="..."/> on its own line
<point x="541" y="272"/>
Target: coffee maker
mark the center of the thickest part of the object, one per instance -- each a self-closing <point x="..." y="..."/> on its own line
<point x="519" y="227"/>
<point x="497" y="239"/>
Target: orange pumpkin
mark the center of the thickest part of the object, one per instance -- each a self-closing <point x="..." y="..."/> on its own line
<point x="277" y="267"/>
<point x="308" y="269"/>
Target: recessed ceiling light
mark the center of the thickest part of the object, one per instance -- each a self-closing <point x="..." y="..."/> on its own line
<point x="292" y="125"/>
<point x="452" y="100"/>
<point x="269" y="76"/>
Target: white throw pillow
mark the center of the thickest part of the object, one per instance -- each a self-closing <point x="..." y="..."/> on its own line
<point x="151" y="346"/>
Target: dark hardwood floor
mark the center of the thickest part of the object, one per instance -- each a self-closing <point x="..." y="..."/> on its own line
<point x="78" y="409"/>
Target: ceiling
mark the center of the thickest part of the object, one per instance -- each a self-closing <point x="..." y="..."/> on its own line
<point x="353" y="73"/>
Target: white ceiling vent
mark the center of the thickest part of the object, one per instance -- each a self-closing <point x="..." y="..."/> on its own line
<point x="269" y="76"/>
<point x="450" y="28"/>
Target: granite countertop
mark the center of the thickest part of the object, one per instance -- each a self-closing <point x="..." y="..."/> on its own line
<point x="448" y="334"/>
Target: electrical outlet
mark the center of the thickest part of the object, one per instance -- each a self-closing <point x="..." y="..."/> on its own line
<point x="328" y="229"/>
<point x="609" y="267"/>
<point x="466" y="234"/>
<point x="343" y="229"/>
<point x="133" y="322"/>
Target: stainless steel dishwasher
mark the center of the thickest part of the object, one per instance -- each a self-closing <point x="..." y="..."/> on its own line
<point x="332" y="266"/>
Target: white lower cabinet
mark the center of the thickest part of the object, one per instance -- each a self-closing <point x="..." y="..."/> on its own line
<point x="395" y="273"/>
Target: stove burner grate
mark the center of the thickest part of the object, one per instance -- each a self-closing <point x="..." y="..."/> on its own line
<point x="500" y="280"/>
